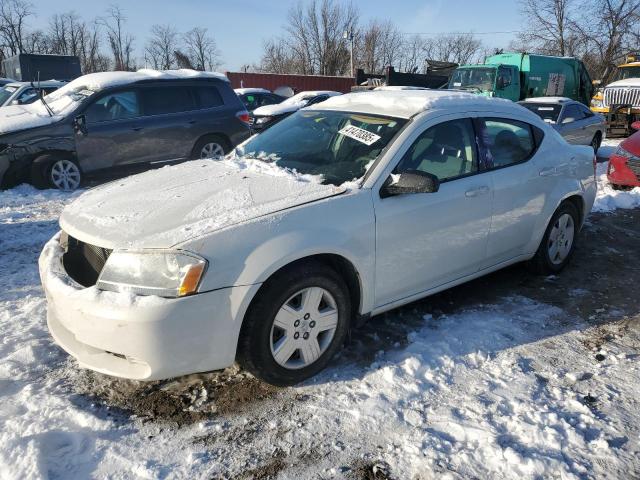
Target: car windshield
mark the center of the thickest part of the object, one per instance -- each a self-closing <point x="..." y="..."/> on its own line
<point x="546" y="111"/>
<point x="627" y="72"/>
<point x="338" y="146"/>
<point x="67" y="98"/>
<point x="5" y="93"/>
<point x="473" y="78"/>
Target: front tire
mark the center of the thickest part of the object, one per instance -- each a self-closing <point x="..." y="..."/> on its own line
<point x="558" y="243"/>
<point x="295" y="325"/>
<point x="49" y="171"/>
<point x="596" y="142"/>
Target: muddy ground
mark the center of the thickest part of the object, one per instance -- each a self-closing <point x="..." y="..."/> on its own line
<point x="600" y="286"/>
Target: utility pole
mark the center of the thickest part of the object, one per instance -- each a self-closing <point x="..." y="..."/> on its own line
<point x="349" y="36"/>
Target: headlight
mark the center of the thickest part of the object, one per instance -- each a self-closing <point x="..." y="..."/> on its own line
<point x="262" y="120"/>
<point x="621" y="152"/>
<point x="166" y="273"/>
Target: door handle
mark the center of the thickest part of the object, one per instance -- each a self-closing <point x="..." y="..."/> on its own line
<point x="475" y="192"/>
<point x="191" y="122"/>
<point x="546" y="172"/>
<point x="136" y="129"/>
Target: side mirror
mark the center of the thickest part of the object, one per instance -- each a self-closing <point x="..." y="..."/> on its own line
<point x="80" y="125"/>
<point x="15" y="102"/>
<point x="411" y="181"/>
<point x="567" y="120"/>
<point x="636" y="125"/>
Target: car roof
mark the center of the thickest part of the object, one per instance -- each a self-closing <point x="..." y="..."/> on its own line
<point x="409" y="103"/>
<point x="558" y="100"/>
<point x="245" y="91"/>
<point x="102" y="80"/>
<point x="42" y="83"/>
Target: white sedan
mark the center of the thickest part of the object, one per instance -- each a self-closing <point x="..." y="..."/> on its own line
<point x="344" y="210"/>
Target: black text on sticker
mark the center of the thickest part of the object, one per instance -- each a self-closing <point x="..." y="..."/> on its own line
<point x="359" y="134"/>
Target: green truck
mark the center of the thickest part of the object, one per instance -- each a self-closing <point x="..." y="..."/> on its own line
<point x="517" y="76"/>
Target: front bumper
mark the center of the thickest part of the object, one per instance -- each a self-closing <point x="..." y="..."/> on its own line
<point x="141" y="338"/>
<point x="619" y="173"/>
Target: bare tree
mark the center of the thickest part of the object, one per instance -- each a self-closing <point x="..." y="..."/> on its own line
<point x="412" y="54"/>
<point x="610" y="33"/>
<point x="13" y="16"/>
<point x="161" y="47"/>
<point x="201" y="49"/>
<point x="315" y="42"/>
<point x="549" y="25"/>
<point x="456" y="48"/>
<point x="378" y="46"/>
<point x="120" y="42"/>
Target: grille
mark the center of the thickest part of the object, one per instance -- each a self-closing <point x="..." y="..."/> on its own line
<point x="634" y="166"/>
<point x="621" y="96"/>
<point x="84" y="262"/>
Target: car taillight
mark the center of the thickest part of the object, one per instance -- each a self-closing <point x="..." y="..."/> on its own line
<point x="244" y="116"/>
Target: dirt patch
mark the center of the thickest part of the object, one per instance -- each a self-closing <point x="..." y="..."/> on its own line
<point x="368" y="470"/>
<point x="181" y="401"/>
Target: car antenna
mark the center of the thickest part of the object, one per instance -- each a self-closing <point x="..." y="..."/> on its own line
<point x="42" y="97"/>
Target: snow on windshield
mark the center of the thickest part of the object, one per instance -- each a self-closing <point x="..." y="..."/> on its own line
<point x="339" y="147"/>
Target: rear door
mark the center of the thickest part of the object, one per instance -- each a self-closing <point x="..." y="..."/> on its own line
<point x="114" y="131"/>
<point x="168" y="122"/>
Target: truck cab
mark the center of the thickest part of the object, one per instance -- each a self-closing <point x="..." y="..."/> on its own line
<point x="502" y="81"/>
<point x="619" y="101"/>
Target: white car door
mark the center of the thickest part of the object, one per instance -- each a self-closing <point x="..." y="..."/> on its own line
<point x="425" y="240"/>
<point x="520" y="185"/>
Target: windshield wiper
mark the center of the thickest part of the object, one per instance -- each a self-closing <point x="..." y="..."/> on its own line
<point x="46" y="105"/>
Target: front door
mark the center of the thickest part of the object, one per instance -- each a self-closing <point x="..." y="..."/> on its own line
<point x="428" y="239"/>
<point x="113" y="132"/>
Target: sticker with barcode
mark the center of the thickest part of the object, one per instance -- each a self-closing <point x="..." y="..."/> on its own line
<point x="359" y="134"/>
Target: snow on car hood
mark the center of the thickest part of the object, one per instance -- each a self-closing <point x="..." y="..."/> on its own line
<point x="627" y="82"/>
<point x="165" y="207"/>
<point x="14" y="118"/>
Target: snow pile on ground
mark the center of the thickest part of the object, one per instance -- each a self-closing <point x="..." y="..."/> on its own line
<point x="609" y="199"/>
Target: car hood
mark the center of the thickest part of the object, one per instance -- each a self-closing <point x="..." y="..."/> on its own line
<point x="163" y="208"/>
<point x="628" y="82"/>
<point x="14" y="118"/>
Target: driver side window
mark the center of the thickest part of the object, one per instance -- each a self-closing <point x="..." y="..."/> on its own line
<point x="446" y="150"/>
<point x="115" y="106"/>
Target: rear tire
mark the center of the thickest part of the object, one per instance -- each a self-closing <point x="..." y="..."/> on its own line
<point x="282" y="341"/>
<point x="558" y="243"/>
<point x="210" y="146"/>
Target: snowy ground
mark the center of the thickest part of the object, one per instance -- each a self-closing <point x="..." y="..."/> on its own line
<point x="510" y="376"/>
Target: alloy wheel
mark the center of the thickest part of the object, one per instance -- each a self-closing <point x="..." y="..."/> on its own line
<point x="303" y="328"/>
<point x="65" y="175"/>
<point x="212" y="150"/>
<point x="561" y="239"/>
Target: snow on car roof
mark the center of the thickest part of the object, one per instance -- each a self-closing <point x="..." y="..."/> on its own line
<point x="245" y="91"/>
<point x="548" y="100"/>
<point x="408" y="103"/>
<point x="102" y="80"/>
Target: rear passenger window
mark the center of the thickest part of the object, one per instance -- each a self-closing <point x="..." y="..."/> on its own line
<point x="208" y="97"/>
<point x="160" y="100"/>
<point x="505" y="142"/>
<point x="446" y="150"/>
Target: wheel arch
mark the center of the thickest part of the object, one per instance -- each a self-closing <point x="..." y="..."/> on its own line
<point x="221" y="135"/>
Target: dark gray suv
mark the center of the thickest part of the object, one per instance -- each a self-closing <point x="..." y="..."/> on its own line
<point x="119" y="122"/>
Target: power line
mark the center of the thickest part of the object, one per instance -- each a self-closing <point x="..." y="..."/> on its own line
<point x="463" y="33"/>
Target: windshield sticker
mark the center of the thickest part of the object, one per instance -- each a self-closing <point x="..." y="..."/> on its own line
<point x="359" y="134"/>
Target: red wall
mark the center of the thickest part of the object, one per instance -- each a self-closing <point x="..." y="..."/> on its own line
<point x="299" y="83"/>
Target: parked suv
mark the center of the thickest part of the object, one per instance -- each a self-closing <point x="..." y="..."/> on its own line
<point x="119" y="121"/>
<point x="23" y="93"/>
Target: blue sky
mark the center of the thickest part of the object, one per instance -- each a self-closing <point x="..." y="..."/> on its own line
<point x="240" y="27"/>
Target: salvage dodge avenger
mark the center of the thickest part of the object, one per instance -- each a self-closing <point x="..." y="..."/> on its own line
<point x="344" y="210"/>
